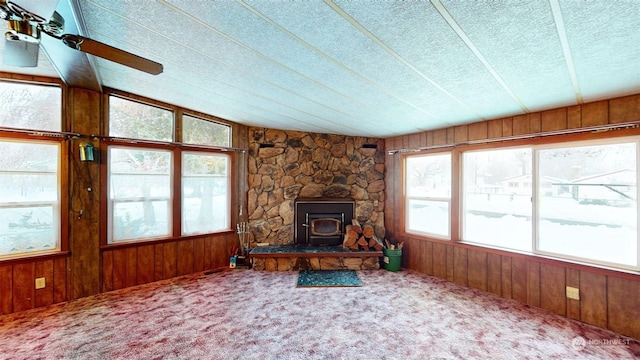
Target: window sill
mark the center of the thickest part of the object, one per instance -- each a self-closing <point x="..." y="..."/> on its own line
<point x="33" y="257"/>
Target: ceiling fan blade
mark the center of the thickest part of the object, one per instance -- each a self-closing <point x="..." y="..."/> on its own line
<point x="109" y="52"/>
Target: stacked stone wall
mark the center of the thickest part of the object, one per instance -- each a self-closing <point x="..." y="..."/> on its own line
<point x="286" y="165"/>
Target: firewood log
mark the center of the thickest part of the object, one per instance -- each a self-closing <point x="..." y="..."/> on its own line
<point x="356" y="226"/>
<point x="350" y="238"/>
<point x="364" y="244"/>
<point x="378" y="243"/>
<point x="367" y="231"/>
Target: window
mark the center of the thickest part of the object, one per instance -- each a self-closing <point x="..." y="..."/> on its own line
<point x="204" y="132"/>
<point x="145" y="177"/>
<point x="139" y="193"/>
<point x="497" y="195"/>
<point x="30" y="186"/>
<point x="134" y="120"/>
<point x="428" y="188"/>
<point x="588" y="208"/>
<point x="205" y="192"/>
<point x="30" y="106"/>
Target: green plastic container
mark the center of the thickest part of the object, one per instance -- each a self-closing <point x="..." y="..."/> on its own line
<point x="392" y="259"/>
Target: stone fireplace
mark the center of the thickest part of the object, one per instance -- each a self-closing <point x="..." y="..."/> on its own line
<point x="321" y="221"/>
<point x="288" y="167"/>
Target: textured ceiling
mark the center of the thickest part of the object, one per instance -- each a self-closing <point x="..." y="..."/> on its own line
<point x="373" y="68"/>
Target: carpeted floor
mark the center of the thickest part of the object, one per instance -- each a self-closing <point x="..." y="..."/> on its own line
<point x="263" y="315"/>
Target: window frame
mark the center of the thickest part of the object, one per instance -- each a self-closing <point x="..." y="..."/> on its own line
<point x="407" y="198"/>
<point x="62" y="140"/>
<point x="177" y="148"/>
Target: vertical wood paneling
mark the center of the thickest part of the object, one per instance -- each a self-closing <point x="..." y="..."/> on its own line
<point x="145" y="264"/>
<point x="461" y="134"/>
<point x="624" y="306"/>
<point x="595" y="114"/>
<point x="60" y="279"/>
<point x="521" y="125"/>
<point x="477" y="269"/>
<point x="535" y="123"/>
<point x="185" y="257"/>
<point x="573" y="306"/>
<point x="574" y="117"/>
<point x="507" y="284"/>
<point x="507" y="127"/>
<point x="158" y="261"/>
<point x="450" y="263"/>
<point x="440" y="137"/>
<point x="552" y="289"/>
<point x="131" y="269"/>
<point x="624" y="109"/>
<point x="519" y="280"/>
<point x="494" y="273"/>
<point x="439" y="260"/>
<point x="6" y="289"/>
<point x="44" y="296"/>
<point x="198" y="255"/>
<point x="533" y="283"/>
<point x="119" y="269"/>
<point x="169" y="254"/>
<point x="206" y="254"/>
<point x="107" y="270"/>
<point x="23" y="286"/>
<point x="593" y="298"/>
<point x="478" y="131"/>
<point x="460" y="262"/>
<point x="494" y="128"/>
<point x="428" y="249"/>
<point x="553" y="120"/>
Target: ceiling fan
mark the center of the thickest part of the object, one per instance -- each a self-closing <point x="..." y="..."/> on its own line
<point x="25" y="29"/>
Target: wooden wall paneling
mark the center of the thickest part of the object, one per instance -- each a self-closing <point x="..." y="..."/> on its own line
<point x="574" y="117"/>
<point x="145" y="264"/>
<point x="624" y="109"/>
<point x="506" y="283"/>
<point x="429" y="136"/>
<point x="533" y="283"/>
<point x="440" y="137"/>
<point x="119" y="269"/>
<point x="477" y="269"/>
<point x="428" y="263"/>
<point x="409" y="252"/>
<point x="84" y="244"/>
<point x="451" y="136"/>
<point x="23" y="286"/>
<point x="131" y="268"/>
<point x="6" y="289"/>
<point x="450" y="263"/>
<point x="206" y="257"/>
<point x="494" y="273"/>
<point x="60" y="279"/>
<point x="552" y="120"/>
<point x="107" y="270"/>
<point x="573" y="306"/>
<point x="460" y="266"/>
<point x="521" y="125"/>
<point x="535" y="123"/>
<point x="44" y="296"/>
<point x="461" y="133"/>
<point x="507" y="127"/>
<point x="552" y="289"/>
<point x="595" y="113"/>
<point x="478" y="131"/>
<point x="624" y="306"/>
<point x="185" y="257"/>
<point x="494" y="129"/>
<point x="414" y="141"/>
<point x="158" y="262"/>
<point x="198" y="255"/>
<point x="593" y="298"/>
<point x="519" y="280"/>
<point x="439" y="260"/>
<point x="423" y="139"/>
<point x="169" y="255"/>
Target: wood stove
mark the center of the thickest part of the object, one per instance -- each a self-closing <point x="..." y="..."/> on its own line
<point x="322" y="221"/>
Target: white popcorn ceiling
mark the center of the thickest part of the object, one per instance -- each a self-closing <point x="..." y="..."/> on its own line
<point x="368" y="68"/>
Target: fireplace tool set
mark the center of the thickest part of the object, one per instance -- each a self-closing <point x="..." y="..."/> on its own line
<point x="242" y="258"/>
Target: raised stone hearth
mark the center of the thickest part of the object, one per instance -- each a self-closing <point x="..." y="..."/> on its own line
<point x="299" y="257"/>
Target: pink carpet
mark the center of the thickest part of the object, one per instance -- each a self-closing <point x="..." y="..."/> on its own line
<point x="263" y="315"/>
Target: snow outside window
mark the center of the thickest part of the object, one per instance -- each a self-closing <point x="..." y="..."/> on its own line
<point x="30" y="106"/>
<point x="205" y="132"/>
<point x="134" y="120"/>
<point x="205" y="193"/>
<point x="497" y="193"/>
<point x="30" y="197"/>
<point x="140" y="194"/>
<point x="428" y="189"/>
<point x="588" y="202"/>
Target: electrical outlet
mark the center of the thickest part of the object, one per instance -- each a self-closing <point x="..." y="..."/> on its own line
<point x="573" y="293"/>
<point x="40" y="283"/>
